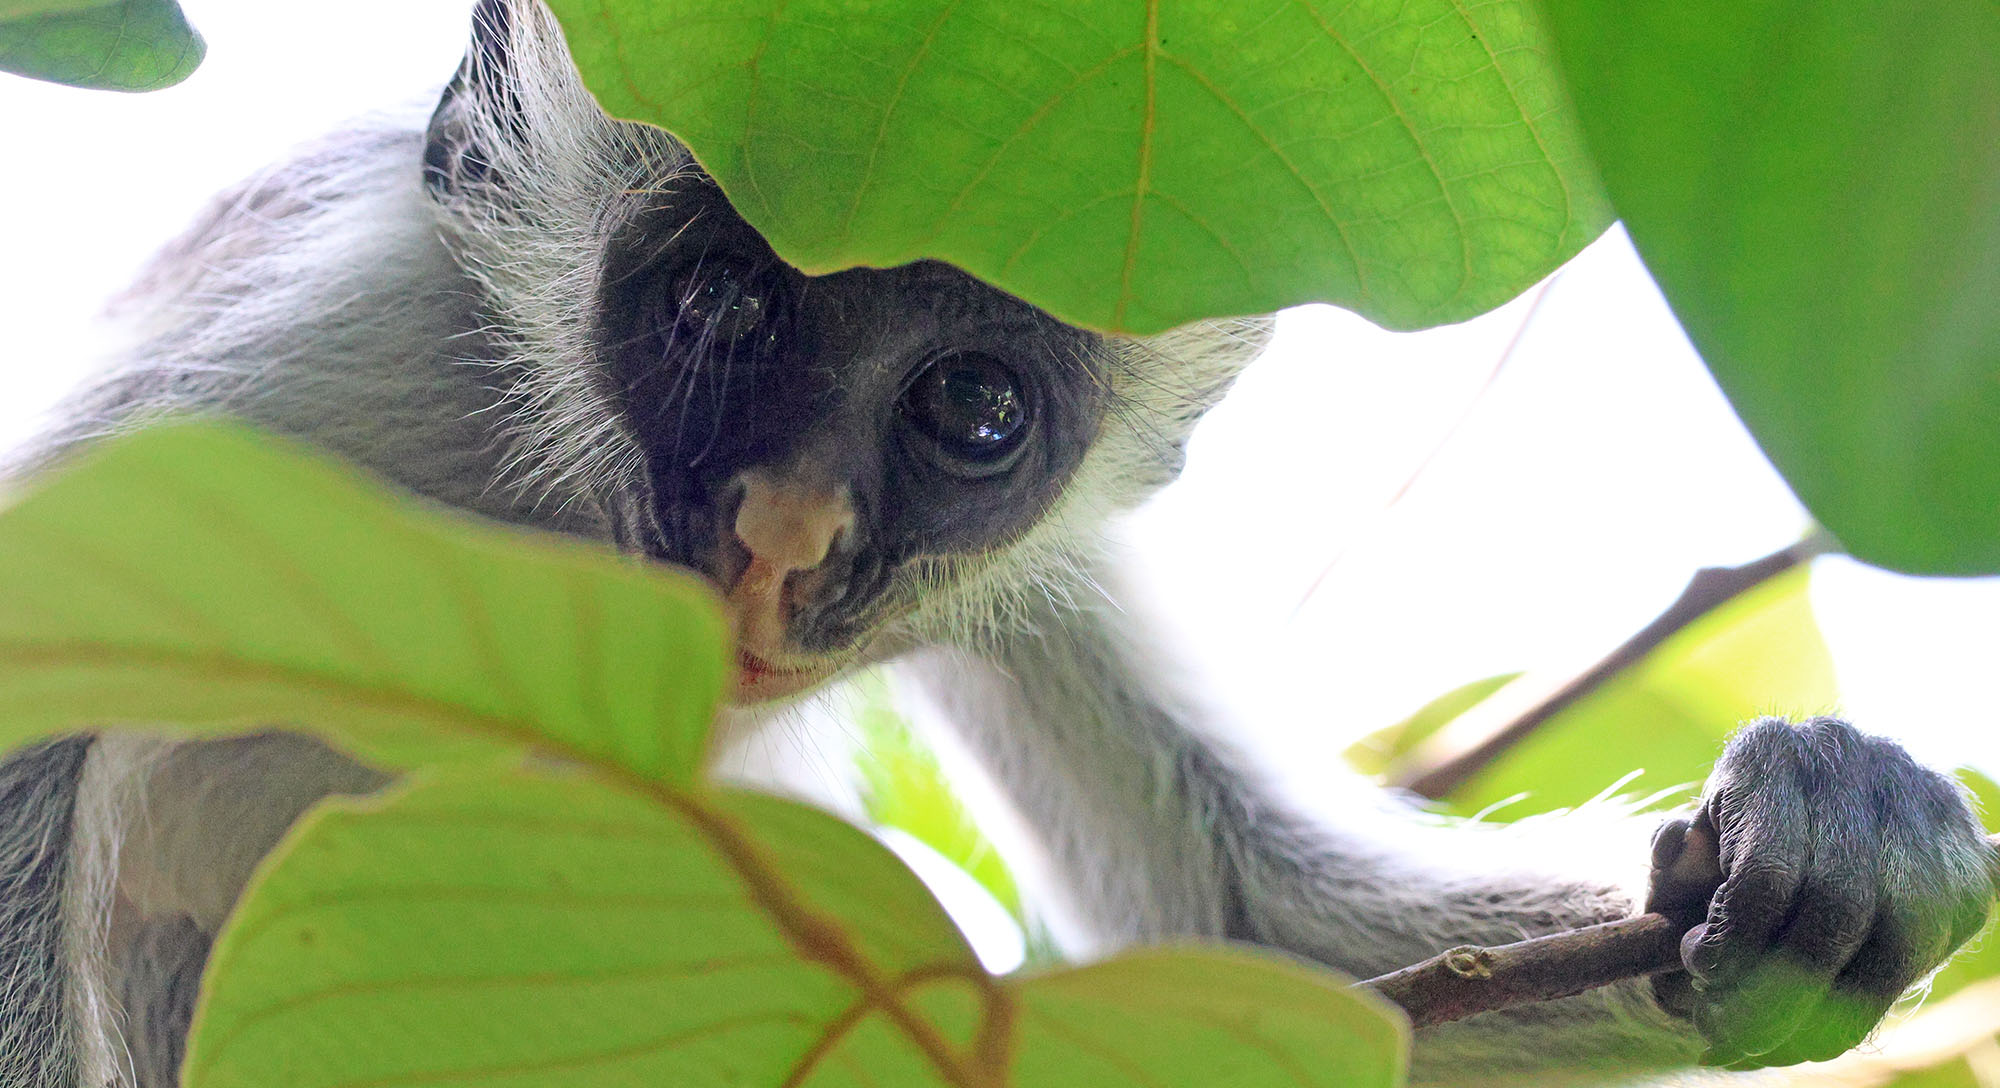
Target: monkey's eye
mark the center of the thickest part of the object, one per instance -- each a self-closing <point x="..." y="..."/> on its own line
<point x="970" y="405"/>
<point x="725" y="302"/>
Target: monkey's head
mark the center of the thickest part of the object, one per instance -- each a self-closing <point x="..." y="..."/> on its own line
<point x="860" y="462"/>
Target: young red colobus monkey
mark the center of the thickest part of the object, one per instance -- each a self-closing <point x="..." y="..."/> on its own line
<point x="528" y="310"/>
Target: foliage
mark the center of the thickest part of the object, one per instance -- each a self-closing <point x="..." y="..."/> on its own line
<point x="192" y="576"/>
<point x="1817" y="189"/>
<point x="1126" y="165"/>
<point x="551" y="894"/>
<point x="1668" y="716"/>
<point x="903" y="787"/>
<point x="113" y="45"/>
<point x="554" y="894"/>
<point x="1387" y="752"/>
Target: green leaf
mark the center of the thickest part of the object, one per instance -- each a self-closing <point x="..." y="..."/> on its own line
<point x="208" y="576"/>
<point x="903" y="787"/>
<point x="1668" y="715"/>
<point x="504" y="928"/>
<point x="1203" y="1017"/>
<point x="1955" y="1072"/>
<point x="1817" y="189"/>
<point x="1127" y="166"/>
<point x="1383" y="751"/>
<point x="120" y="45"/>
<point x="591" y="919"/>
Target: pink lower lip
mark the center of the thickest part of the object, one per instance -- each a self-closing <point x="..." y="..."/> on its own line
<point x="751" y="669"/>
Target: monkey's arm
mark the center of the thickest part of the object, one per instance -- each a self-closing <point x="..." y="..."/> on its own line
<point x="1153" y="832"/>
<point x="38" y="998"/>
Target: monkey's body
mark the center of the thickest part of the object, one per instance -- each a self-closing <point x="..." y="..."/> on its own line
<point x="408" y="298"/>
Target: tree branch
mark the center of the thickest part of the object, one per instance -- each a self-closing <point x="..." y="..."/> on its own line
<point x="1709" y="589"/>
<point x="1462" y="981"/>
<point x="1459" y="982"/>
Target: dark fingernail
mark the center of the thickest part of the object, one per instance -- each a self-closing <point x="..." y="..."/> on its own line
<point x="1697" y="954"/>
<point x="1668" y="842"/>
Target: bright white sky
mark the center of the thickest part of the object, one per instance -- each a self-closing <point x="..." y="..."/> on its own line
<point x="1598" y="471"/>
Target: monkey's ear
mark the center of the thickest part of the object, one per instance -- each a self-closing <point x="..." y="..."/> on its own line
<point x="479" y="106"/>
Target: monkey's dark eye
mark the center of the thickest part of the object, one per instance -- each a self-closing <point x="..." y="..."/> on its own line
<point x="970" y="405"/>
<point x="724" y="302"/>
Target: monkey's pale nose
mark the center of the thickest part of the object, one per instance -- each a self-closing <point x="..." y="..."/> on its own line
<point x="786" y="527"/>
<point x="790" y="526"/>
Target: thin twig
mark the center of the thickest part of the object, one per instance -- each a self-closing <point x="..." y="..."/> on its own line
<point x="1709" y="589"/>
<point x="1462" y="981"/>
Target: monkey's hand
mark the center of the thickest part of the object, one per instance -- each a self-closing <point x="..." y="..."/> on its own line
<point x="1824" y="873"/>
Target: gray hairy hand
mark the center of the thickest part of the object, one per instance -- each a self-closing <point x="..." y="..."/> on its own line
<point x="1824" y="873"/>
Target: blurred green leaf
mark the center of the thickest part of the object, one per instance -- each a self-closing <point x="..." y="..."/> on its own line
<point x="596" y="918"/>
<point x="1203" y="1017"/>
<point x="1127" y="166"/>
<point x="120" y="45"/>
<point x="1817" y="189"/>
<point x="508" y="928"/>
<point x="1668" y="715"/>
<point x="1954" y="1072"/>
<point x="205" y="575"/>
<point x="1383" y="751"/>
<point x="18" y="9"/>
<point x="903" y="787"/>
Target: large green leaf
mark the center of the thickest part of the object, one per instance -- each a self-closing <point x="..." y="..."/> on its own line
<point x="505" y="928"/>
<point x="203" y="575"/>
<point x="1128" y="166"/>
<point x="590" y="916"/>
<point x="1668" y="716"/>
<point x="112" y="45"/>
<point x="1817" y="189"/>
<point x="508" y="929"/>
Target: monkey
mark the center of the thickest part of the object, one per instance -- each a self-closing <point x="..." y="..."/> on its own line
<point x="522" y="308"/>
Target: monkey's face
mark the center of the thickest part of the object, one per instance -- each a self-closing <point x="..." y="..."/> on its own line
<point x="829" y="450"/>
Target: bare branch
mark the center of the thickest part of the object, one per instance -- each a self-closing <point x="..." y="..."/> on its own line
<point x="1709" y="589"/>
<point x="1469" y="979"/>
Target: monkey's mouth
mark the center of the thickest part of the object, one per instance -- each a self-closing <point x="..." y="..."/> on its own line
<point x="761" y="680"/>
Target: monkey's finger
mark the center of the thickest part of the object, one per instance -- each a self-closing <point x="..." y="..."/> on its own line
<point x="1685" y="870"/>
<point x="1764" y="856"/>
<point x="1834" y="912"/>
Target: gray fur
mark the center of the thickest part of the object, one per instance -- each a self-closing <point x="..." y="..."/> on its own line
<point x="437" y="340"/>
<point x="37" y="802"/>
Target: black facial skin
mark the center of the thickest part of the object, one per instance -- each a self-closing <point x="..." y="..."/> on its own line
<point x="954" y="412"/>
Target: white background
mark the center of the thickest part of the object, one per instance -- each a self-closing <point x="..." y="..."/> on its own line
<point x="1584" y="485"/>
